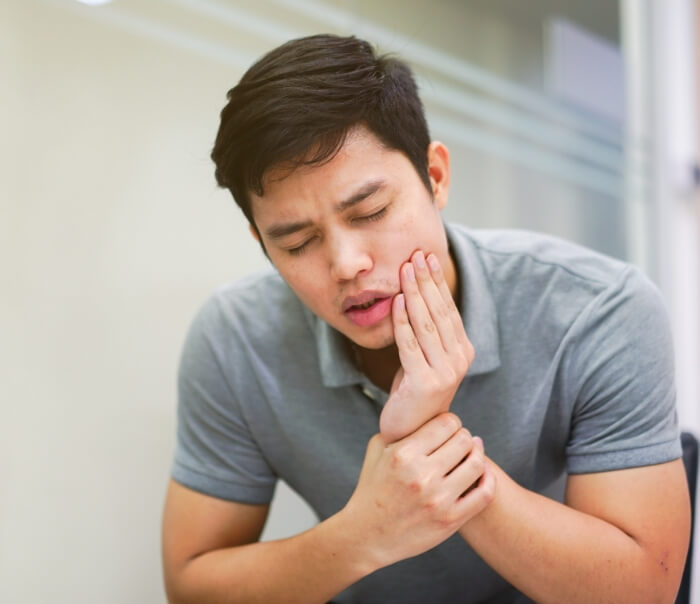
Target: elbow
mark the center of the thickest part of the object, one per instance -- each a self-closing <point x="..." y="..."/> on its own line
<point x="662" y="575"/>
<point x="173" y="589"/>
<point x="178" y="589"/>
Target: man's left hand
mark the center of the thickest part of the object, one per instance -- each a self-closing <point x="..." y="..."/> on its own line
<point x="433" y="347"/>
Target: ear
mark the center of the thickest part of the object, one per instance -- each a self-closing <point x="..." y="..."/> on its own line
<point x="254" y="232"/>
<point x="439" y="172"/>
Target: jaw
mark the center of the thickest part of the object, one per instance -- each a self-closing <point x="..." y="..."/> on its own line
<point x="378" y="338"/>
<point x="378" y="364"/>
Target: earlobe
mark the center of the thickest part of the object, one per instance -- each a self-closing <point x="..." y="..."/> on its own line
<point x="439" y="172"/>
<point x="254" y="231"/>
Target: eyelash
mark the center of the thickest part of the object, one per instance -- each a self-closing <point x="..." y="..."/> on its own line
<point x="297" y="251"/>
<point x="376" y="216"/>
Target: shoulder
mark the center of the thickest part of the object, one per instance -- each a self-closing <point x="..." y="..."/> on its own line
<point x="256" y="311"/>
<point x="538" y="253"/>
<point x="257" y="297"/>
<point x="549" y="289"/>
<point x="524" y="267"/>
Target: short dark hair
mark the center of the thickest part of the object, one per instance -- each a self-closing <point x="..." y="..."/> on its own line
<point x="298" y="102"/>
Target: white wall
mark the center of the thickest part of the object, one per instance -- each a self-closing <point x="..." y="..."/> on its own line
<point x="112" y="232"/>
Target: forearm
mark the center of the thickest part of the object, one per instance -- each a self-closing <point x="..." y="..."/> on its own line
<point x="554" y="553"/>
<point x="310" y="567"/>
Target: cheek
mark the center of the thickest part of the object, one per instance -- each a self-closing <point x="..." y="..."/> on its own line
<point x="306" y="283"/>
<point x="411" y="234"/>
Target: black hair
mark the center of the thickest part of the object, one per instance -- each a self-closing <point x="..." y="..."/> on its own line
<point x="297" y="104"/>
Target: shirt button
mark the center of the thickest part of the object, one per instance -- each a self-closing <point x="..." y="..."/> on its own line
<point x="367" y="392"/>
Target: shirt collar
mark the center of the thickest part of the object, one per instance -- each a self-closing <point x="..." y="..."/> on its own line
<point x="478" y="307"/>
<point x="478" y="314"/>
<point x="335" y="361"/>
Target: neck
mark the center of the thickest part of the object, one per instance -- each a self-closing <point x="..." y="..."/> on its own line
<point x="380" y="366"/>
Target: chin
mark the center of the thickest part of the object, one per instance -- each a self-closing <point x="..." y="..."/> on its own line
<point x="375" y="342"/>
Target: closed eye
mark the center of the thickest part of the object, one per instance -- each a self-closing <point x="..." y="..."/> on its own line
<point x="371" y="217"/>
<point x="300" y="249"/>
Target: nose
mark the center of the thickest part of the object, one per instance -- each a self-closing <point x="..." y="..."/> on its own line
<point x="349" y="256"/>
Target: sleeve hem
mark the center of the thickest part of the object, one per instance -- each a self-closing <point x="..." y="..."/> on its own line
<point x="588" y="463"/>
<point x="214" y="487"/>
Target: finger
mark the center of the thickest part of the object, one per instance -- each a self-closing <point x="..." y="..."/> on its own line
<point x="476" y="499"/>
<point x="439" y="308"/>
<point x="424" y="328"/>
<point x="410" y="352"/>
<point x="454" y="451"/>
<point x="466" y="474"/>
<point x="433" y="433"/>
<point x="454" y="323"/>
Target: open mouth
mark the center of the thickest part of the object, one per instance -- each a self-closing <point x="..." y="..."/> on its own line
<point x="364" y="306"/>
<point x="369" y="312"/>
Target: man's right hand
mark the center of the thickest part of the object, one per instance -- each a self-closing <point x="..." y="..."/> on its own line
<point x="411" y="495"/>
<point x="416" y="492"/>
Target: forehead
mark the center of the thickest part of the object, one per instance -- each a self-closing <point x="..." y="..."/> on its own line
<point x="361" y="158"/>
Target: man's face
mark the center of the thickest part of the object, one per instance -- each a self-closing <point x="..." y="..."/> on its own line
<point x="339" y="232"/>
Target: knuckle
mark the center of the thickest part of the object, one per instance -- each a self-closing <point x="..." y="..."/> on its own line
<point x="419" y="484"/>
<point x="489" y="490"/>
<point x="415" y="485"/>
<point x="464" y="436"/>
<point x="462" y="363"/>
<point x="446" y="521"/>
<point x="401" y="318"/>
<point x="483" y="494"/>
<point x="400" y="457"/>
<point x="375" y="442"/>
<point x="437" y="505"/>
<point x="442" y="310"/>
<point x="478" y="462"/>
<point x="471" y="353"/>
<point x="412" y="343"/>
<point x="431" y="504"/>
<point x="428" y="326"/>
<point x="450" y="421"/>
<point x="453" y="516"/>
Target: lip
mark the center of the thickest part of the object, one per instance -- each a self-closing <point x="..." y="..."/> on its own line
<point x="367" y="317"/>
<point x="362" y="298"/>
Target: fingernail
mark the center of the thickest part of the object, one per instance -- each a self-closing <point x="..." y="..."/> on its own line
<point x="434" y="264"/>
<point x="400" y="302"/>
<point x="419" y="259"/>
<point x="410" y="273"/>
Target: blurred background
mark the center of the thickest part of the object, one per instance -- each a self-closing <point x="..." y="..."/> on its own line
<point x="576" y="117"/>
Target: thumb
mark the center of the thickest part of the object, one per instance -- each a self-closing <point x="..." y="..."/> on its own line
<point x="396" y="381"/>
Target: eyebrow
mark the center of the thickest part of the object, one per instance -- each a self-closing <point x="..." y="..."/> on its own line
<point x="282" y="229"/>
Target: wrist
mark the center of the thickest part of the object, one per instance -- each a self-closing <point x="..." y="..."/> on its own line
<point x="487" y="519"/>
<point x="352" y="542"/>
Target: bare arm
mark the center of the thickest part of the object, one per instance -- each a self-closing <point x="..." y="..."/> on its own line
<point x="621" y="537"/>
<point x="210" y="554"/>
<point x="407" y="501"/>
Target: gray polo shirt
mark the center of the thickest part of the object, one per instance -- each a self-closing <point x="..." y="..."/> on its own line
<point x="573" y="374"/>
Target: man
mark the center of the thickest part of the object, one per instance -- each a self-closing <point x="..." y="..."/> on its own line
<point x="380" y="317"/>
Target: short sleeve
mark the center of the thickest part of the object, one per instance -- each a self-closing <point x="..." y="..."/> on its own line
<point x="215" y="452"/>
<point x="621" y="362"/>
